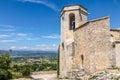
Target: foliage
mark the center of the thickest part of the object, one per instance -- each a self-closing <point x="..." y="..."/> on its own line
<point x="58" y="60"/>
<point x="41" y="66"/>
<point x="16" y="75"/>
<point x="5" y="62"/>
<point x="11" y="68"/>
<point x="26" y="71"/>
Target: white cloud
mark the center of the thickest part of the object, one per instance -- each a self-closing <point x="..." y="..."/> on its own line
<point x="19" y="48"/>
<point x="46" y="47"/>
<point x="24" y="48"/>
<point x="43" y="47"/>
<point x="29" y="38"/>
<point x="12" y="47"/>
<point x="18" y="36"/>
<point x="7" y="41"/>
<point x="54" y="45"/>
<point x="53" y="36"/>
<point x="48" y="4"/>
<point x="4" y="36"/>
<point x="6" y="26"/>
<point x="21" y="34"/>
<point x="7" y="30"/>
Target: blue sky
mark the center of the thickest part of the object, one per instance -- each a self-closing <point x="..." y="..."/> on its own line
<point x="35" y="24"/>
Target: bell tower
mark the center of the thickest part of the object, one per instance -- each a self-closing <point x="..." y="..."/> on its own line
<point x="71" y="17"/>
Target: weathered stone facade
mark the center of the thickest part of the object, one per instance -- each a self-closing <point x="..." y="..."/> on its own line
<point x="115" y="40"/>
<point x="91" y="45"/>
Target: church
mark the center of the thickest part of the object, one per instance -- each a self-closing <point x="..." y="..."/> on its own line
<point x="89" y="44"/>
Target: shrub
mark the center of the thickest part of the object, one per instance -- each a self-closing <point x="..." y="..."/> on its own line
<point x="26" y="72"/>
<point x="5" y="62"/>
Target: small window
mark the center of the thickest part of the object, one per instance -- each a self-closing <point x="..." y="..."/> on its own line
<point x="62" y="18"/>
<point x="63" y="45"/>
<point x="113" y="45"/>
<point x="72" y="21"/>
<point x="111" y="35"/>
<point x="82" y="59"/>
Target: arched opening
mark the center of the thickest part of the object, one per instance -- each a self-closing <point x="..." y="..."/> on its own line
<point x="72" y="21"/>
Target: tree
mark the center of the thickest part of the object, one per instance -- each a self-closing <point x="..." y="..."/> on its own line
<point x="5" y="62"/>
<point x="58" y="68"/>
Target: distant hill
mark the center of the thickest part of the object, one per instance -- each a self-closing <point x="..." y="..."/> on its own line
<point x="17" y="53"/>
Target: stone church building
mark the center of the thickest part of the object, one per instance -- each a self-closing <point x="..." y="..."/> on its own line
<point x="89" y="44"/>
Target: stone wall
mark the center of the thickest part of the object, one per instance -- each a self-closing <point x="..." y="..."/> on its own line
<point x="100" y="44"/>
<point x="67" y="37"/>
<point x="115" y="40"/>
<point x="92" y="41"/>
<point x="92" y="45"/>
<point x="62" y="61"/>
<point x="113" y="54"/>
<point x="66" y="58"/>
<point x="115" y="34"/>
<point x="66" y="33"/>
<point x="80" y="16"/>
<point x="81" y="42"/>
<point x="117" y="48"/>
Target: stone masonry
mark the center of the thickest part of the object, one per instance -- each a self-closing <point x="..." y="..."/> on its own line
<point x="91" y="46"/>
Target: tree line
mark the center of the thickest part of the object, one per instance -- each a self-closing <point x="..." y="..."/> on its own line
<point x="8" y="70"/>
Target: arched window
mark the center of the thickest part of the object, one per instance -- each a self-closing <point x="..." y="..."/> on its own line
<point x="72" y="21"/>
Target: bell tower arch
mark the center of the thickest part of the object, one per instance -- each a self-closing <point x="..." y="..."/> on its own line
<point x="71" y="16"/>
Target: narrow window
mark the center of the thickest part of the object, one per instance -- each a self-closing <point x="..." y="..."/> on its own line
<point x="113" y="45"/>
<point x="72" y="21"/>
<point x="82" y="59"/>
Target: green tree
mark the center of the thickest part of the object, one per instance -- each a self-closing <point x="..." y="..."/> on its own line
<point x="5" y="62"/>
<point x="58" y="64"/>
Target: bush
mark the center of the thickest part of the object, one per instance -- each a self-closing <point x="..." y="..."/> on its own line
<point x="26" y="72"/>
<point x="16" y="75"/>
<point x="54" y="66"/>
<point x="5" y="62"/>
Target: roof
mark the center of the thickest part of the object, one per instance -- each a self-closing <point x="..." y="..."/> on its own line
<point x="73" y="5"/>
<point x="82" y="25"/>
<point x="117" y="29"/>
<point x="98" y="19"/>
